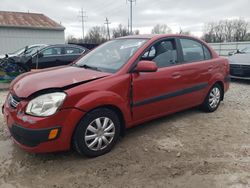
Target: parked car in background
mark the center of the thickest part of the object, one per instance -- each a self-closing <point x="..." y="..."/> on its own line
<point x="118" y="85"/>
<point x="50" y="56"/>
<point x="23" y="51"/>
<point x="240" y="64"/>
<point x="240" y="51"/>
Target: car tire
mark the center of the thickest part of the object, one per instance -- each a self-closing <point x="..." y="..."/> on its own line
<point x="213" y="99"/>
<point x="97" y="132"/>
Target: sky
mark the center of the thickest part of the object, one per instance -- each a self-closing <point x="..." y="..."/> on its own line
<point x="189" y="15"/>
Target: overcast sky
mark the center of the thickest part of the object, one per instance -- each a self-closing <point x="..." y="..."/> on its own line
<point x="190" y="15"/>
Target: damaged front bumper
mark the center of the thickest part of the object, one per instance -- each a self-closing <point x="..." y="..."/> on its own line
<point x="41" y="134"/>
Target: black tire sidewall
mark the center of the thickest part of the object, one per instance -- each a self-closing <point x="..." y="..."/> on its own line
<point x="79" y="141"/>
<point x="207" y="105"/>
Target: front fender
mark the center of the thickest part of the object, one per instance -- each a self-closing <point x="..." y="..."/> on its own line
<point x="105" y="98"/>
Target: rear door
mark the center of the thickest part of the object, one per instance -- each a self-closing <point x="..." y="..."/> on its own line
<point x="196" y="70"/>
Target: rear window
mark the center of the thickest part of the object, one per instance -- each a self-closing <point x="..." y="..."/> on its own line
<point x="71" y="50"/>
<point x="194" y="51"/>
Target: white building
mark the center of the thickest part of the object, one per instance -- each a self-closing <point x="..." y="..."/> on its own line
<point x="18" y="29"/>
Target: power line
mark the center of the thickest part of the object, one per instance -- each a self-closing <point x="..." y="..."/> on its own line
<point x="107" y="23"/>
<point x="131" y="14"/>
<point x="83" y="16"/>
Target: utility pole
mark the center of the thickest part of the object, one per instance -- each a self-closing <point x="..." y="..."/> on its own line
<point x="107" y="23"/>
<point x="131" y="14"/>
<point x="128" y="25"/>
<point x="83" y="16"/>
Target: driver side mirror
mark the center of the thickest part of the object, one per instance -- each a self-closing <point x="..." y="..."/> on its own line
<point x="146" y="66"/>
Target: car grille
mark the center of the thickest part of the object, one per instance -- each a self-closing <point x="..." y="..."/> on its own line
<point x="246" y="67"/>
<point x="240" y="70"/>
<point x="235" y="66"/>
<point x="13" y="101"/>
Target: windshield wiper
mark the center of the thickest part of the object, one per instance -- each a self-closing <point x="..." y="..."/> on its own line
<point x="89" y="67"/>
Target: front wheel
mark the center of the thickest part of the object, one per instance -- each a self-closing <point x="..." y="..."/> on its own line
<point x="213" y="99"/>
<point x="97" y="132"/>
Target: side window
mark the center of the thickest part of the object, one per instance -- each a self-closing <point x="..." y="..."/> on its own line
<point x="72" y="50"/>
<point x="163" y="53"/>
<point x="149" y="54"/>
<point x="207" y="54"/>
<point x="54" y="51"/>
<point x="192" y="50"/>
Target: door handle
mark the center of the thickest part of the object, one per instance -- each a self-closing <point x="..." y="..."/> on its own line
<point x="176" y="75"/>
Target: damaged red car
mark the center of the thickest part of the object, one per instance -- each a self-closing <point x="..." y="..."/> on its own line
<point x="120" y="84"/>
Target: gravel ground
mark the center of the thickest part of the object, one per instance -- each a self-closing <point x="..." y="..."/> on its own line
<point x="187" y="149"/>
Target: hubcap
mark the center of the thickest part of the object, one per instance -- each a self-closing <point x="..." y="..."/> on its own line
<point x="99" y="133"/>
<point x="214" y="97"/>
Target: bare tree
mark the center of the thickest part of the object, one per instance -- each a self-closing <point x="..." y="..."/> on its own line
<point x="71" y="39"/>
<point x="219" y="31"/>
<point x="96" y="35"/>
<point x="120" y="31"/>
<point x="226" y="30"/>
<point x="136" y="32"/>
<point x="241" y="29"/>
<point x="184" y="32"/>
<point x="161" y="29"/>
<point x="209" y="32"/>
<point x="229" y="30"/>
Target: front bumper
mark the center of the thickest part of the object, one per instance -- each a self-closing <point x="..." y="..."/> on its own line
<point x="240" y="71"/>
<point x="31" y="137"/>
<point x="32" y="133"/>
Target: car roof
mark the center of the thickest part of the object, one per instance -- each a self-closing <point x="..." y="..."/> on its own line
<point x="155" y="36"/>
<point x="65" y="45"/>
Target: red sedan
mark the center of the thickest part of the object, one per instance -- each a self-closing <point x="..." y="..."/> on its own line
<point x="120" y="84"/>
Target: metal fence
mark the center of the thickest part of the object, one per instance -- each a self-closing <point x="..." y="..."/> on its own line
<point x="224" y="48"/>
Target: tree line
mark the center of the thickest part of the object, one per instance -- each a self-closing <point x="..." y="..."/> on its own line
<point x="226" y="31"/>
<point x="221" y="31"/>
<point x="99" y="34"/>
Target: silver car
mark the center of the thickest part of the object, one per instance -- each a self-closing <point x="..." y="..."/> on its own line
<point x="240" y="64"/>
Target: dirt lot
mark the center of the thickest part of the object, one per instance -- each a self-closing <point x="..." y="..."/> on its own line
<point x="188" y="149"/>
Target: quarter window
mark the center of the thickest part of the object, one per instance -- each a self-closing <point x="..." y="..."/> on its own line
<point x="194" y="51"/>
<point x="207" y="53"/>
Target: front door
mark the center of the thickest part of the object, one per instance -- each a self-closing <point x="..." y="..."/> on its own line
<point x="50" y="57"/>
<point x="155" y="93"/>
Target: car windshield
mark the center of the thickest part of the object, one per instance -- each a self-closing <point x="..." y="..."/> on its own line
<point x="111" y="56"/>
<point x="32" y="50"/>
<point x="18" y="52"/>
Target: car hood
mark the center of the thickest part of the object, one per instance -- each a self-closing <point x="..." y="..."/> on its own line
<point x="2" y="56"/>
<point x="20" y="59"/>
<point x="54" y="78"/>
<point x="9" y="55"/>
<point x="242" y="59"/>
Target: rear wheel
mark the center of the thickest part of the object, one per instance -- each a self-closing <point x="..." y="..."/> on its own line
<point x="213" y="99"/>
<point x="97" y="132"/>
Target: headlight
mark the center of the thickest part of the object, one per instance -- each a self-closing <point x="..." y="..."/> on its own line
<point x="45" y="105"/>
